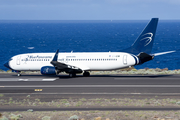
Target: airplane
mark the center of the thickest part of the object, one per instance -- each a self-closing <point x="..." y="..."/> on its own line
<point x="75" y="63"/>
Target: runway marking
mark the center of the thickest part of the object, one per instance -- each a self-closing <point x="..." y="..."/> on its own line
<point x="48" y="79"/>
<point x="145" y="78"/>
<point x="23" y="79"/>
<point x="95" y="86"/>
<point x="37" y="89"/>
<point x="29" y="79"/>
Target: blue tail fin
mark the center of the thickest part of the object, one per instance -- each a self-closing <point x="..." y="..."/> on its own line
<point x="145" y="40"/>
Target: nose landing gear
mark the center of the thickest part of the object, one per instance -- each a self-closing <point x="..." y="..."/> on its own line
<point x="18" y="73"/>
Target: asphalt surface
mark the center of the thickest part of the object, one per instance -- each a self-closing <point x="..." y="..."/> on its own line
<point x="95" y="84"/>
<point x="103" y="86"/>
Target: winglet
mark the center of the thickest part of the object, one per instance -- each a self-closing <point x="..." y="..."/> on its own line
<point x="56" y="56"/>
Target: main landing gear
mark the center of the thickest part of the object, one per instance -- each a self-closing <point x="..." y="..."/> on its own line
<point x="86" y="74"/>
<point x="72" y="75"/>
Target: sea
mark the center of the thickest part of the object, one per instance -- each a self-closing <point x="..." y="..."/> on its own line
<point x="34" y="36"/>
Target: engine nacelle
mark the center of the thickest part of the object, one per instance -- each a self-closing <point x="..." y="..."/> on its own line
<point x="48" y="70"/>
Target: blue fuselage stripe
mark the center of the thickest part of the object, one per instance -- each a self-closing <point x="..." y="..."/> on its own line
<point x="135" y="59"/>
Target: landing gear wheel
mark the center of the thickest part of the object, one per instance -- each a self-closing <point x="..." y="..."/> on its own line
<point x="86" y="74"/>
<point x="19" y="74"/>
<point x="72" y="75"/>
<point x="57" y="72"/>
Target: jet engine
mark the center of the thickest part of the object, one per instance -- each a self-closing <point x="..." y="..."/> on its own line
<point x="48" y="70"/>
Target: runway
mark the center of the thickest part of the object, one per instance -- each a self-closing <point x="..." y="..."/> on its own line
<point x="48" y="88"/>
<point x="95" y="84"/>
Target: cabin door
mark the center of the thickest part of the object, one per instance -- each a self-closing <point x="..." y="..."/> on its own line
<point x="125" y="59"/>
<point x="18" y="60"/>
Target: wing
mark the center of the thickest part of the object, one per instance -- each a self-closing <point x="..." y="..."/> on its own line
<point x="62" y="67"/>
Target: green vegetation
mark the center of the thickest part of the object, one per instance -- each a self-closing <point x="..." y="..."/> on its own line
<point x="15" y="117"/>
<point x="1" y="95"/>
<point x="4" y="118"/>
<point x="2" y="71"/>
<point x="10" y="101"/>
<point x="46" y="118"/>
<point x="95" y="115"/>
<point x="74" y="117"/>
<point x="94" y="102"/>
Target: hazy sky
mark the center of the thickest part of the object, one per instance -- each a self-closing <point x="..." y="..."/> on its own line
<point x="89" y="9"/>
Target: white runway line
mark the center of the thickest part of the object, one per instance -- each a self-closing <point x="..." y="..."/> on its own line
<point x="48" y="79"/>
<point x="29" y="79"/>
<point x="97" y="86"/>
<point x="23" y="80"/>
<point x="145" y="78"/>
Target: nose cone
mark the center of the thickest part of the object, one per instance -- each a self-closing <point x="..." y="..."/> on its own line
<point x="7" y="65"/>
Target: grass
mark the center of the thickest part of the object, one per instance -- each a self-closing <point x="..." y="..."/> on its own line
<point x="1" y="95"/>
<point x="94" y="102"/>
<point x="95" y="115"/>
<point x="10" y="101"/>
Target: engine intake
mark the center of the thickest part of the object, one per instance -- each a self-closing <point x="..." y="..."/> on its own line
<point x="48" y="70"/>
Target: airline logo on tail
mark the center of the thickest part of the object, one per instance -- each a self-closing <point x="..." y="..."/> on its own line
<point x="147" y="38"/>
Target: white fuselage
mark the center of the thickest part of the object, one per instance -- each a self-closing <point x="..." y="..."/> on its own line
<point x="90" y="61"/>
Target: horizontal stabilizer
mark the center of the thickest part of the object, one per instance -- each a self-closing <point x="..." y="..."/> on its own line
<point x="162" y="53"/>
